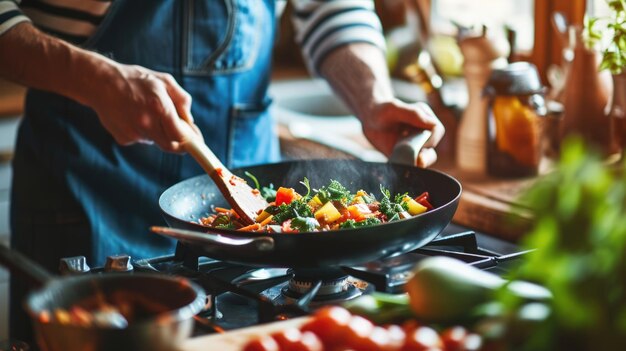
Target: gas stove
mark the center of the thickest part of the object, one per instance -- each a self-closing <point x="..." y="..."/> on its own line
<point x="240" y="296"/>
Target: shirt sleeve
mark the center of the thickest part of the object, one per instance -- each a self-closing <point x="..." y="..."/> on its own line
<point x="10" y="15"/>
<point x="324" y="25"/>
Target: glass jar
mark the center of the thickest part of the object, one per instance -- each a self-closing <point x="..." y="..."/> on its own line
<point x="516" y="107"/>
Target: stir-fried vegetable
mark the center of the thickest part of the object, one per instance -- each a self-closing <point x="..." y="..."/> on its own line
<point x="330" y="207"/>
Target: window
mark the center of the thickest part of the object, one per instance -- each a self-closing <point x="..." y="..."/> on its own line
<point x="516" y="14"/>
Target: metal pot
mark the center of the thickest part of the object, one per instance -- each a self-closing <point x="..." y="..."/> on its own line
<point x="180" y="299"/>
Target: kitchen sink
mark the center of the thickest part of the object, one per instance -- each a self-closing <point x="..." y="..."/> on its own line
<point x="311" y="110"/>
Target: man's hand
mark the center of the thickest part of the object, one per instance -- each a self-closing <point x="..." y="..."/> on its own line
<point x="133" y="103"/>
<point x="140" y="105"/>
<point x="358" y="73"/>
<point x="394" y="120"/>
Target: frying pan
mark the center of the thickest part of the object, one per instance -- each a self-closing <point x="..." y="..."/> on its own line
<point x="184" y="203"/>
<point x="180" y="299"/>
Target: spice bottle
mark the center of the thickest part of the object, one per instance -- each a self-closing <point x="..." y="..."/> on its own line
<point x="515" y="113"/>
<point x="481" y="54"/>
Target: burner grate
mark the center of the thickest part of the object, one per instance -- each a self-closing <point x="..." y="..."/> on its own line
<point x="236" y="291"/>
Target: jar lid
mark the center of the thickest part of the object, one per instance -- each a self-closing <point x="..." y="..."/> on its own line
<point x="518" y="78"/>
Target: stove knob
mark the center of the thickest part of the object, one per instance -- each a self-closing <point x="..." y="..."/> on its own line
<point x="118" y="263"/>
<point x="73" y="265"/>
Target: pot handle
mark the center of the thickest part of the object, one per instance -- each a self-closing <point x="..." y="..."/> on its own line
<point x="18" y="263"/>
<point x="407" y="149"/>
<point x="257" y="243"/>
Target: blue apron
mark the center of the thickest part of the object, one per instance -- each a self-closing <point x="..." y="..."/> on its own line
<point x="76" y="192"/>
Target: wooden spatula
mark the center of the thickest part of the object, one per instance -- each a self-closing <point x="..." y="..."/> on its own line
<point x="246" y="202"/>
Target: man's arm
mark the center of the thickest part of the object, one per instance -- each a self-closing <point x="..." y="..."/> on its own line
<point x="358" y="73"/>
<point x="133" y="103"/>
<point x="342" y="41"/>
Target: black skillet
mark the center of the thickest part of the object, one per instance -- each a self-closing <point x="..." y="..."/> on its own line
<point x="184" y="203"/>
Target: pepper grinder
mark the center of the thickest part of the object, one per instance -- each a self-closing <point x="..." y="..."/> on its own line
<point x="481" y="55"/>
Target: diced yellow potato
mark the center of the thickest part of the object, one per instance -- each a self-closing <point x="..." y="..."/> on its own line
<point x="262" y="216"/>
<point x="414" y="208"/>
<point x="328" y="213"/>
<point x="315" y="202"/>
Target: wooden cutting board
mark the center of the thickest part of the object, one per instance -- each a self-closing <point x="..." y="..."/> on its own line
<point x="236" y="339"/>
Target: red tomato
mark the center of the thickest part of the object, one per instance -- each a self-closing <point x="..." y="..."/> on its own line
<point x="293" y="340"/>
<point x="410" y="325"/>
<point x="397" y="335"/>
<point x="453" y="338"/>
<point x="422" y="339"/>
<point x="285" y="196"/>
<point x="311" y="342"/>
<point x="329" y="324"/>
<point x="472" y="342"/>
<point x="357" y="333"/>
<point x="264" y="343"/>
<point x="288" y="338"/>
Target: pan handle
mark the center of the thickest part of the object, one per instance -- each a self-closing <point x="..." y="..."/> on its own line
<point x="18" y="263"/>
<point x="258" y="243"/>
<point x="408" y="148"/>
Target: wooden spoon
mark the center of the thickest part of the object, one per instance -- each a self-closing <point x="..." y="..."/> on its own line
<point x="246" y="202"/>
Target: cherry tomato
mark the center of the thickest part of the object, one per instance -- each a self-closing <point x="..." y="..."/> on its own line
<point x="357" y="333"/>
<point x="311" y="342"/>
<point x="421" y="339"/>
<point x="264" y="343"/>
<point x="472" y="342"/>
<point x="397" y="336"/>
<point x="293" y="339"/>
<point x="410" y="325"/>
<point x="329" y="324"/>
<point x="453" y="338"/>
<point x="287" y="338"/>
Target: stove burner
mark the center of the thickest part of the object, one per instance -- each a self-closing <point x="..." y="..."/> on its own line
<point x="237" y="291"/>
<point x="300" y="284"/>
<point x="322" y="286"/>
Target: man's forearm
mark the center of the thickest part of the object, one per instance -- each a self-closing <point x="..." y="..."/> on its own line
<point x="358" y="73"/>
<point x="34" y="59"/>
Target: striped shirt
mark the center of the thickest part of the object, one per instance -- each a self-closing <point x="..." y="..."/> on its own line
<point x="321" y="25"/>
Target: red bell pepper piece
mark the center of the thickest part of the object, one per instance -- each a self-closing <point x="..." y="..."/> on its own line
<point x="285" y="196"/>
<point x="423" y="200"/>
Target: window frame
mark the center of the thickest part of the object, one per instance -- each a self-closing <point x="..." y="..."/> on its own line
<point x="547" y="48"/>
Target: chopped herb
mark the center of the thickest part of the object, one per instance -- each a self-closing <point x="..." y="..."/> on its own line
<point x="225" y="226"/>
<point x="256" y="181"/>
<point x="333" y="191"/>
<point x="268" y="193"/>
<point x="351" y="223"/>
<point x="306" y="183"/>
<point x="223" y="221"/>
<point x="294" y="209"/>
<point x="304" y="224"/>
<point x="390" y="208"/>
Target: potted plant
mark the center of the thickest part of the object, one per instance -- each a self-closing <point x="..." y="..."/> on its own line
<point x="580" y="241"/>
<point x="610" y="32"/>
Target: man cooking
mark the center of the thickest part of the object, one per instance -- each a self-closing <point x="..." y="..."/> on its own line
<point x="112" y="82"/>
